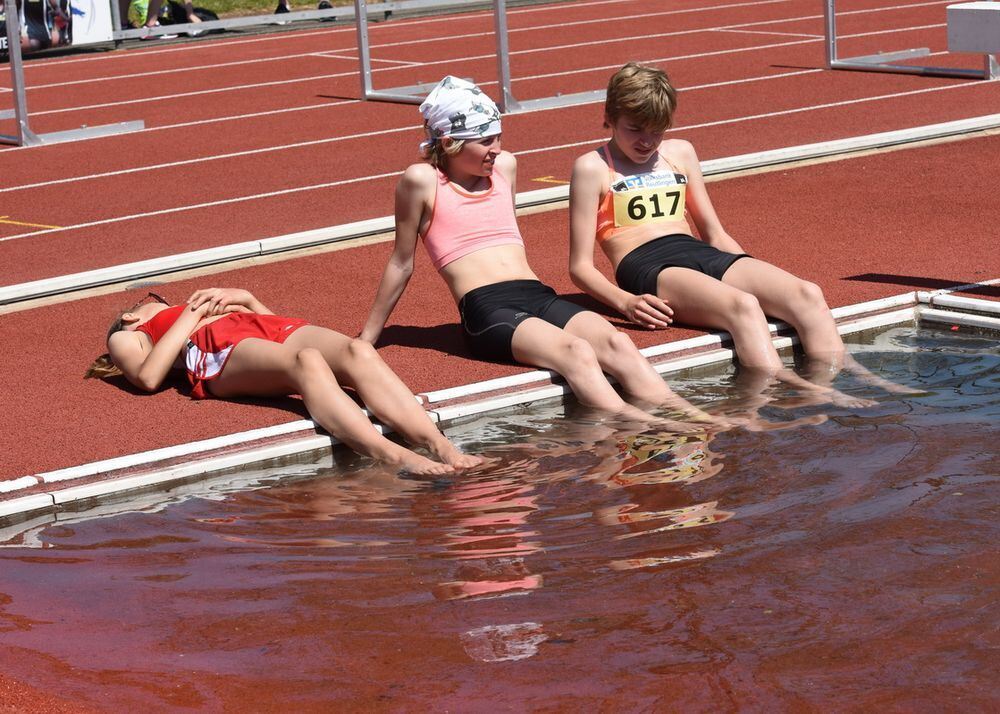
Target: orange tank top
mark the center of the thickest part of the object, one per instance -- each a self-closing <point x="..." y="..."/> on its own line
<point x="643" y="199"/>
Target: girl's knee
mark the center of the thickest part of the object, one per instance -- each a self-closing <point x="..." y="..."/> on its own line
<point x="622" y="345"/>
<point x="811" y="294"/>
<point x="744" y="306"/>
<point x="579" y="354"/>
<point x="361" y="351"/>
<point x="310" y="360"/>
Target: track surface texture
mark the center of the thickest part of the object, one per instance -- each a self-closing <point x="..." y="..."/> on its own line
<point x="261" y="136"/>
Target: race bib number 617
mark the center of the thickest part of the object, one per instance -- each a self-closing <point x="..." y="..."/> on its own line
<point x="637" y="207"/>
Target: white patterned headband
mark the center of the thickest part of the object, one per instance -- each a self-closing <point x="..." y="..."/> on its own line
<point x="459" y="109"/>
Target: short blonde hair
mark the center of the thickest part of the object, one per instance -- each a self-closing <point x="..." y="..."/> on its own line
<point x="642" y="93"/>
<point x="437" y="153"/>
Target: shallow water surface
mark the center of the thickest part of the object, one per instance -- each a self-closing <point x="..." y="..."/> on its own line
<point x="845" y="565"/>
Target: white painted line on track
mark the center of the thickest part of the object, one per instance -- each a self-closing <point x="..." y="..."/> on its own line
<point x="203" y="92"/>
<point x="332" y="55"/>
<point x="780" y="34"/>
<point x="754" y="117"/>
<point x="134" y="53"/>
<point x="330" y="140"/>
<point x="463" y="59"/>
<point x="361" y="179"/>
<point x="208" y="44"/>
<point x="216" y="157"/>
<point x="207" y="204"/>
<point x="426" y="40"/>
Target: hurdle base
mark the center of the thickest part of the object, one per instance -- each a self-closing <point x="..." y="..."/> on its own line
<point x="560" y="100"/>
<point x="865" y="64"/>
<point x="86" y="132"/>
<point x="412" y="94"/>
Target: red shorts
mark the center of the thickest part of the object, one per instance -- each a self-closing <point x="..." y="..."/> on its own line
<point x="209" y="348"/>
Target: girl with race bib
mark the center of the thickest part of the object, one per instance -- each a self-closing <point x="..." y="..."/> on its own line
<point x="460" y="203"/>
<point x="232" y="346"/>
<point x="636" y="196"/>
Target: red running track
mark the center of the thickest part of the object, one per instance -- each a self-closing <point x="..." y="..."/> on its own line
<point x="863" y="228"/>
<point x="257" y="137"/>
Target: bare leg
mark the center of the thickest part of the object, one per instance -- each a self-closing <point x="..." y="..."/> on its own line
<point x="538" y="343"/>
<point x="619" y="357"/>
<point x="358" y="365"/>
<point x="153" y="13"/>
<point x="699" y="299"/>
<point x="262" y="368"/>
<point x="798" y="302"/>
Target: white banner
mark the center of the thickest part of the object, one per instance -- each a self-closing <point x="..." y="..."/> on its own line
<point x="57" y="23"/>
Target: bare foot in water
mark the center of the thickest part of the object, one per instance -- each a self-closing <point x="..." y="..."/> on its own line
<point x="449" y="453"/>
<point x="413" y="463"/>
<point x="764" y="425"/>
<point x="846" y="400"/>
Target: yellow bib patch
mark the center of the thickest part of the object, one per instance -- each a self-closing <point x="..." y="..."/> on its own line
<point x="649" y="198"/>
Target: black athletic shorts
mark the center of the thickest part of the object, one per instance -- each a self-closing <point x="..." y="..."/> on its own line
<point x="638" y="271"/>
<point x="490" y="315"/>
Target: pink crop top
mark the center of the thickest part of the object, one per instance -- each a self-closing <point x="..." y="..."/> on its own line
<point x="162" y="321"/>
<point x="463" y="222"/>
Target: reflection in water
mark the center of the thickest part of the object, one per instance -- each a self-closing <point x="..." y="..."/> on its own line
<point x="485" y="515"/>
<point x="589" y="561"/>
<point x="503" y="643"/>
<point x="485" y="526"/>
<point x="665" y="458"/>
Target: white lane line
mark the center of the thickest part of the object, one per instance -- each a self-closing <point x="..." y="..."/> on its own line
<point x="558" y="147"/>
<point x="353" y="58"/>
<point x="297" y="35"/>
<point x="216" y="157"/>
<point x="452" y="38"/>
<point x="208" y="204"/>
<point x="784" y="112"/>
<point x="782" y="34"/>
<point x="349" y="73"/>
<point x="354" y="49"/>
<point x="330" y="140"/>
<point x="202" y="92"/>
<point x="133" y="53"/>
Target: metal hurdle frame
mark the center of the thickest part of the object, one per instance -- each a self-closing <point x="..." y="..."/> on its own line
<point x="415" y="94"/>
<point x="25" y="136"/>
<point x="881" y="62"/>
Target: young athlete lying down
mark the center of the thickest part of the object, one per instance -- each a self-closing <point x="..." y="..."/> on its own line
<point x="231" y="345"/>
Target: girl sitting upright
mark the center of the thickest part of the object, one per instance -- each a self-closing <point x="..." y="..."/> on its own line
<point x="635" y="195"/>
<point x="460" y="202"/>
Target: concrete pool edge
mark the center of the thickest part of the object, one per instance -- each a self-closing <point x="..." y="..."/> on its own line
<point x="161" y="468"/>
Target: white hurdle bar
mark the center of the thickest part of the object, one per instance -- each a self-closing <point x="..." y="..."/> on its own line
<point x="415" y="94"/>
<point x="24" y="136"/>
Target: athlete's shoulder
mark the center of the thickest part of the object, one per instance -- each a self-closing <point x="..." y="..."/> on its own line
<point x="125" y="343"/>
<point x="506" y="160"/>
<point x="680" y="148"/>
<point x="420" y="173"/>
<point x="590" y="165"/>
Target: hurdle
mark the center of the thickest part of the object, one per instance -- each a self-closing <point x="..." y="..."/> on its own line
<point x="24" y="136"/>
<point x="969" y="30"/>
<point x="415" y="94"/>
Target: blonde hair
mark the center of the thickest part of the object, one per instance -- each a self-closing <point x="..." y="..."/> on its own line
<point x="437" y="153"/>
<point x="642" y="93"/>
<point x="102" y="368"/>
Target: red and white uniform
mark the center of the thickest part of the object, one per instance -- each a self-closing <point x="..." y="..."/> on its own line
<point x="208" y="348"/>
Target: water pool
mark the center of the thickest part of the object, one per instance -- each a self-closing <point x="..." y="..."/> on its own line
<point x="845" y="565"/>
